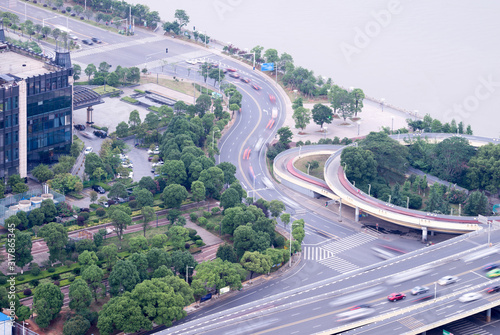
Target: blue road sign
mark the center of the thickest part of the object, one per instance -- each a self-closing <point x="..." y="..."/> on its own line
<point x="267" y="67"/>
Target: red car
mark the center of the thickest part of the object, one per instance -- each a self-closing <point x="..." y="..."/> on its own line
<point x="255" y="87"/>
<point x="234" y="75"/>
<point x="493" y="289"/>
<point x="396" y="296"/>
<point x="231" y="70"/>
<point x="245" y="80"/>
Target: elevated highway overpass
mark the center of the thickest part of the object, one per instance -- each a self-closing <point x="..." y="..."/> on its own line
<point x="338" y="188"/>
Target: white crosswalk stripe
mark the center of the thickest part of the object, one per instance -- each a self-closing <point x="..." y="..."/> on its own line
<point x="315" y="253"/>
<point x="347" y="243"/>
<point x="465" y="327"/>
<point x="338" y="264"/>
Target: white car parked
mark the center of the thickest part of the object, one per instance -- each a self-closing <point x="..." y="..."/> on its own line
<point x="88" y="150"/>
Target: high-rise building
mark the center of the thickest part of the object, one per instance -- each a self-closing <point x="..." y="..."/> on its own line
<point x="36" y="106"/>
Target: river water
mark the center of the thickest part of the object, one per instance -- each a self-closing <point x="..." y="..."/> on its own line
<point x="436" y="57"/>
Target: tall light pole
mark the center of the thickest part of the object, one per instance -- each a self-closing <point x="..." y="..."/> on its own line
<point x="187" y="272"/>
<point x="382" y="101"/>
<point x="359" y="123"/>
<point x="25" y="17"/>
<point x="325" y="128"/>
<point x="392" y="125"/>
<point x="369" y="189"/>
<point x="291" y="228"/>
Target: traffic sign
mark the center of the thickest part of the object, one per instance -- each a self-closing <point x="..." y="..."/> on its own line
<point x="267" y="67"/>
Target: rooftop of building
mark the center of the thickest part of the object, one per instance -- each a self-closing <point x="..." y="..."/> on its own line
<point x="19" y="65"/>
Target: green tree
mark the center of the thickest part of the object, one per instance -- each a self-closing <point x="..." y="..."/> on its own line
<point x="285" y="218"/>
<point x="244" y="238"/>
<point x="357" y="96"/>
<point x="174" y="172"/>
<point x="198" y="191"/>
<point x="110" y="253"/>
<point x="42" y="173"/>
<point x="321" y="114"/>
<point x="181" y="260"/>
<point x="271" y="56"/>
<point x="138" y="243"/>
<point x="181" y="17"/>
<point x="302" y="117"/>
<point x="159" y="241"/>
<point x="4" y="298"/>
<point x="47" y="303"/>
<point x="134" y="118"/>
<point x="143" y="197"/>
<point x="49" y="210"/>
<point x="80" y="296"/>
<point x="22" y="251"/>
<point x="90" y="70"/>
<point x="255" y="262"/>
<point x="359" y="164"/>
<point x="342" y="101"/>
<point x="76" y="325"/>
<point x="173" y="195"/>
<point x="477" y="204"/>
<point x="285" y="135"/>
<point x="229" y="172"/>
<point x="118" y="190"/>
<point x="449" y="159"/>
<point x="56" y="237"/>
<point x="178" y="237"/>
<point x="122" y="313"/>
<point x="122" y="129"/>
<point x="436" y="201"/>
<point x="484" y="169"/>
<point x="123" y="277"/>
<point x="148" y="215"/>
<point x="226" y="253"/>
<point x="276" y="207"/>
<point x="158" y="257"/>
<point x="120" y="221"/>
<point x="388" y="153"/>
<point x="92" y="163"/>
<point x="36" y="217"/>
<point x="87" y="258"/>
<point x="213" y="275"/>
<point x="230" y="198"/>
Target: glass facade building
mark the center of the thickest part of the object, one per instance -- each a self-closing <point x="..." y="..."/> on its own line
<point x="36" y="104"/>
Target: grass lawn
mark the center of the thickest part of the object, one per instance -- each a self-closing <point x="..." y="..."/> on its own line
<point x="301" y="164"/>
<point x="180" y="86"/>
<point x="102" y="90"/>
<point x="150" y="232"/>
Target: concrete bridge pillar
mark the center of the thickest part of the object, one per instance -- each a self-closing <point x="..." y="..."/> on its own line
<point x="356" y="214"/>
<point x="424" y="234"/>
<point x="488" y="315"/>
<point x="432" y="232"/>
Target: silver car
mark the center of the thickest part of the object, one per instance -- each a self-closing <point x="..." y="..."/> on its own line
<point x="419" y="289"/>
<point x="446" y="280"/>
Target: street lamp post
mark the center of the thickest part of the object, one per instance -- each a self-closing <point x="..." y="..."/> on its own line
<point x="326" y="129"/>
<point x="340" y="209"/>
<point x="359" y="123"/>
<point x="407" y="202"/>
<point x="369" y="189"/>
<point x="300" y="149"/>
<point x="291" y="228"/>
<point x="25" y="17"/>
<point x="187" y="272"/>
<point x="392" y="125"/>
<point x="382" y="103"/>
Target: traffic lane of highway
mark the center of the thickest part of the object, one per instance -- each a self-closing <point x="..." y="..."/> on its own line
<point x="329" y="294"/>
<point x="306" y="317"/>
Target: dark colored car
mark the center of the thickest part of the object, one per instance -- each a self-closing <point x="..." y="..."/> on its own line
<point x="100" y="133"/>
<point x="396" y="296"/>
<point x="256" y="87"/>
<point x="493" y="289"/>
<point x="88" y="42"/>
<point x="361" y="306"/>
<point x="96" y="40"/>
<point x="245" y="80"/>
<point x="489" y="267"/>
<point x="98" y="189"/>
<point x="79" y="127"/>
<point x="234" y="75"/>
